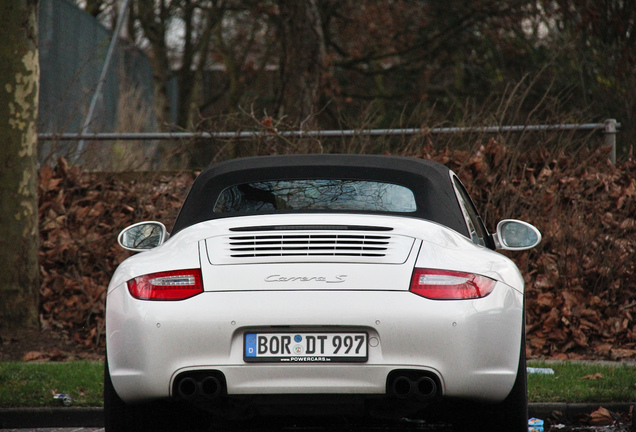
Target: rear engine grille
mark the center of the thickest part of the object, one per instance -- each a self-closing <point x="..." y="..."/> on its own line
<point x="309" y="244"/>
<point x="344" y="245"/>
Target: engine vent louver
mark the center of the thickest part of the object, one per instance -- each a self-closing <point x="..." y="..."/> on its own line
<point x="312" y="227"/>
<point x="344" y="245"/>
<point x="309" y="243"/>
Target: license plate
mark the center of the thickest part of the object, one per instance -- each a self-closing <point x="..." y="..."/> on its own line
<point x="305" y="347"/>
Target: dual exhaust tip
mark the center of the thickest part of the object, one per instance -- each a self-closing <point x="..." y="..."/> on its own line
<point x="421" y="388"/>
<point x="191" y="388"/>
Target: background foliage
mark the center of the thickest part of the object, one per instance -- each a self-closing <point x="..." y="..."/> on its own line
<point x="274" y="65"/>
<point x="321" y="63"/>
<point x="580" y="280"/>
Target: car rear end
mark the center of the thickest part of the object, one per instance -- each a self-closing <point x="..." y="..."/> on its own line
<point x="308" y="308"/>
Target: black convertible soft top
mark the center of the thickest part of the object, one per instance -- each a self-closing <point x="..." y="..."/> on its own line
<point x="429" y="181"/>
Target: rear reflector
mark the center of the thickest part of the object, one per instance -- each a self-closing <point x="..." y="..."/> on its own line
<point x="450" y="285"/>
<point x="169" y="285"/>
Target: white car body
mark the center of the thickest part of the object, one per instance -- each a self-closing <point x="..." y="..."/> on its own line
<point x="469" y="348"/>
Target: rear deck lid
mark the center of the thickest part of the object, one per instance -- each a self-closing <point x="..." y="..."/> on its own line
<point x="308" y="257"/>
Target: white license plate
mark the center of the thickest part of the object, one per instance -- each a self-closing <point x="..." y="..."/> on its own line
<point x="305" y="347"/>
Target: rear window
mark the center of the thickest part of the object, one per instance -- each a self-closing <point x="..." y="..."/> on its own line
<point x="317" y="194"/>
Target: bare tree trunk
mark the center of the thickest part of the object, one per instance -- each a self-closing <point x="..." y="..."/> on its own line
<point x="198" y="18"/>
<point x="19" y="78"/>
<point x="153" y="21"/>
<point x="302" y="60"/>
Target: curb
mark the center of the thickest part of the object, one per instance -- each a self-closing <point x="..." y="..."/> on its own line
<point x="16" y="418"/>
<point x="570" y="411"/>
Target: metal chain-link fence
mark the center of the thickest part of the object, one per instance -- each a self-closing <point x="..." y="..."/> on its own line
<point x="73" y="48"/>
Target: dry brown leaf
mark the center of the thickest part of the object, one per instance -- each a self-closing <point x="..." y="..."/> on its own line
<point x="601" y="417"/>
<point x="594" y="377"/>
<point x="33" y="356"/>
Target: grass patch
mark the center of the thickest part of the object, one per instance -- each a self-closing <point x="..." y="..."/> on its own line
<point x="582" y="382"/>
<point x="34" y="384"/>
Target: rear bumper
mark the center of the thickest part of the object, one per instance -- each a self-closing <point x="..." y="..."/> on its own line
<point x="471" y="346"/>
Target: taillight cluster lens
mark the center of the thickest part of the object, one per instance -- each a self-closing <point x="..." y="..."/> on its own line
<point x="169" y="285"/>
<point x="450" y="285"/>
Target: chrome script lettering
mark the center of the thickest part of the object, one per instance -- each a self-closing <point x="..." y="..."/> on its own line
<point x="280" y="278"/>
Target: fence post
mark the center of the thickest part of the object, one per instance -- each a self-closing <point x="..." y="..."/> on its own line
<point x="610" y="138"/>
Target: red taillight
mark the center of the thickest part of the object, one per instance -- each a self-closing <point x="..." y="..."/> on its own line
<point x="169" y="285"/>
<point x="450" y="285"/>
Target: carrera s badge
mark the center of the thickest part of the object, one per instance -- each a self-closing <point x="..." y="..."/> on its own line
<point x="325" y="279"/>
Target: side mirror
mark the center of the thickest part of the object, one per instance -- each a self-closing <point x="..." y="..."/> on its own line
<point x="143" y="236"/>
<point x="516" y="235"/>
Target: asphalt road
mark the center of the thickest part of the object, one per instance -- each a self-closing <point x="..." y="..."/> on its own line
<point x="55" y="430"/>
<point x="90" y="420"/>
<point x="422" y="427"/>
<point x="431" y="428"/>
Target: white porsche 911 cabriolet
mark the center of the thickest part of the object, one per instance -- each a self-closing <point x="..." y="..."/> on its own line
<point x="319" y="284"/>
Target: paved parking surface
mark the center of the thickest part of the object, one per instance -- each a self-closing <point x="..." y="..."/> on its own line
<point x="93" y="416"/>
<point x="55" y="430"/>
<point x="422" y="427"/>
